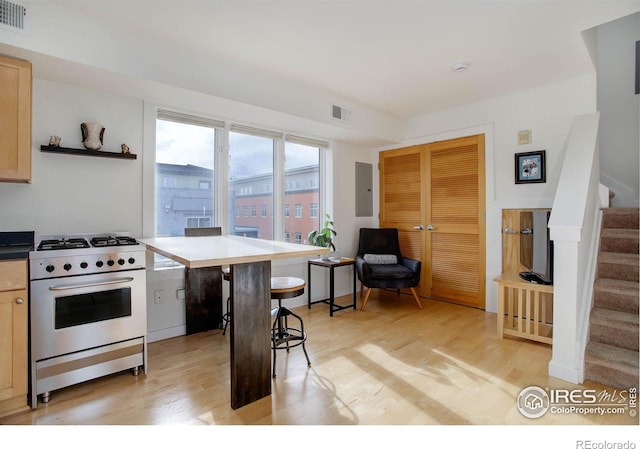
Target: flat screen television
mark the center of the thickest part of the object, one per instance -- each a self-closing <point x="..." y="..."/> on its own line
<point x="536" y="247"/>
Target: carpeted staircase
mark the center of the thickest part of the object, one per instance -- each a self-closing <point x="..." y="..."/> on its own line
<point x="611" y="356"/>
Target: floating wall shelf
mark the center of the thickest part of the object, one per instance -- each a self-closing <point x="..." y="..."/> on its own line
<point x="83" y="152"/>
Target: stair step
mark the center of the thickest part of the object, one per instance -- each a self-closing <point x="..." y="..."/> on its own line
<point x="623" y="266"/>
<point x="621" y="217"/>
<point x="611" y="365"/>
<point x="618" y="240"/>
<point x="616" y="294"/>
<point x="614" y="328"/>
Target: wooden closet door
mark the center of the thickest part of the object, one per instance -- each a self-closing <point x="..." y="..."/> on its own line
<point x="402" y="188"/>
<point x="455" y="219"/>
<point x="439" y="185"/>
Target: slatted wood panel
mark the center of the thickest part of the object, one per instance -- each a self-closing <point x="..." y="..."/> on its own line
<point x="454" y="261"/>
<point x="401" y="193"/>
<point x="455" y="209"/>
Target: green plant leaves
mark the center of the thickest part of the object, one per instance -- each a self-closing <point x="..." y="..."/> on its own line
<point x="324" y="236"/>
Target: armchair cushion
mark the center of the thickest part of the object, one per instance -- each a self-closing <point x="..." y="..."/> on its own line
<point x="391" y="273"/>
<point x="380" y="259"/>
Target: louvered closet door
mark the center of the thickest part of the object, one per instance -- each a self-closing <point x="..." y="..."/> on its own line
<point x="402" y="187"/>
<point x="455" y="246"/>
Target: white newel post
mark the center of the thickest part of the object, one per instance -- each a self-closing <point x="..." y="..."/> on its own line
<point x="565" y="349"/>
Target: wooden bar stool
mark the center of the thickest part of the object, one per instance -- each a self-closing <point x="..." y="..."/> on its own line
<point x="226" y="275"/>
<point x="284" y="336"/>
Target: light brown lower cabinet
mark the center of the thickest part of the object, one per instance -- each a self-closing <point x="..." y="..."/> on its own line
<point x="14" y="307"/>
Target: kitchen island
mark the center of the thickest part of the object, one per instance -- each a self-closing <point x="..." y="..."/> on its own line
<point x="250" y="287"/>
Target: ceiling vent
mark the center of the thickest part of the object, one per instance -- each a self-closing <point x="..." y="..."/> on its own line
<point x="340" y="113"/>
<point x="13" y="16"/>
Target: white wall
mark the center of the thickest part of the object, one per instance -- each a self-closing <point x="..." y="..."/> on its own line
<point x="548" y="112"/>
<point x="71" y="194"/>
<point x="619" y="113"/>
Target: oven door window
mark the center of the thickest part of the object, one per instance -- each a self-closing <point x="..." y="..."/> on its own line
<point x="92" y="307"/>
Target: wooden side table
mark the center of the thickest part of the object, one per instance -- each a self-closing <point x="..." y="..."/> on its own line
<point x="331" y="264"/>
<point x="524" y="309"/>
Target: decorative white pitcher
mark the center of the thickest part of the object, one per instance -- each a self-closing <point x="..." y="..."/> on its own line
<point x="92" y="135"/>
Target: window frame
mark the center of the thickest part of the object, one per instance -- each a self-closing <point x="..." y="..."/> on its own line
<point x="221" y="181"/>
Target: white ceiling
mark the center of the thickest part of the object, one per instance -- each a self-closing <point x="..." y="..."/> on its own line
<point x="393" y="56"/>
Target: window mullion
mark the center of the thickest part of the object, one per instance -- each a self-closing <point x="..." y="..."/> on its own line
<point x="222" y="181"/>
<point x="278" y="189"/>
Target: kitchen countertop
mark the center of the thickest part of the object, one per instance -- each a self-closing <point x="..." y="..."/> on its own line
<point x="15" y="252"/>
<point x="16" y="245"/>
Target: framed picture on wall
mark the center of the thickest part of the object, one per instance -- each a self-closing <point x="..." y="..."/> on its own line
<point x="530" y="167"/>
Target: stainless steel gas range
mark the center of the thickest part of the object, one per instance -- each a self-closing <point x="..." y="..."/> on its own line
<point x="88" y="310"/>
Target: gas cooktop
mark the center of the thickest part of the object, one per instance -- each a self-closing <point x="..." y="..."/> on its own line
<point x="79" y="242"/>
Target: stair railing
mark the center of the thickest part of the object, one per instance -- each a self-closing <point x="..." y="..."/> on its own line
<point x="574" y="228"/>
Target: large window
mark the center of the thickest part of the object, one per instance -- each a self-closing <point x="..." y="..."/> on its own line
<point x="184" y="173"/>
<point x="302" y="173"/>
<point x="209" y="173"/>
<point x="251" y="170"/>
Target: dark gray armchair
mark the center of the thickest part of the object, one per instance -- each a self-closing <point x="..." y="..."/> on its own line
<point x="380" y="264"/>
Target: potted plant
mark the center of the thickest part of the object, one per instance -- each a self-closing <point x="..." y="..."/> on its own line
<point x="324" y="237"/>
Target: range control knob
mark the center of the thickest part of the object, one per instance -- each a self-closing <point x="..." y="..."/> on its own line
<point x="83" y="265"/>
<point x="120" y="261"/>
<point x="110" y="262"/>
<point x="132" y="260"/>
<point x="50" y="268"/>
<point x="99" y="263"/>
<point x="67" y="266"/>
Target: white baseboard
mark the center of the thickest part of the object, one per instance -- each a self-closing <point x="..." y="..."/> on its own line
<point x="568" y="373"/>
<point x="163" y="334"/>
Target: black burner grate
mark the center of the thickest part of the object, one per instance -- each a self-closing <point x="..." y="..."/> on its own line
<point x="74" y="243"/>
<point x="113" y="241"/>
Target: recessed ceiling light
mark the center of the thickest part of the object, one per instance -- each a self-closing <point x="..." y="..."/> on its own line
<point x="459" y="67"/>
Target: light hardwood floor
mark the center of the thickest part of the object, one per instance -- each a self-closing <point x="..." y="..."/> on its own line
<point x="392" y="364"/>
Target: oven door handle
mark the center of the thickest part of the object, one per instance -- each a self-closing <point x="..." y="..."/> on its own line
<point x="56" y="288"/>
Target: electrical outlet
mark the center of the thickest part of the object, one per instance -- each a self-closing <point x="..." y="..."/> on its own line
<point x="157" y="297"/>
<point x="180" y="294"/>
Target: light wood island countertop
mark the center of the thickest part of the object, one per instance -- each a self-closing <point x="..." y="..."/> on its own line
<point x="207" y="251"/>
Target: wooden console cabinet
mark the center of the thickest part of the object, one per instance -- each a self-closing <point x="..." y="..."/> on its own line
<point x="15" y="120"/>
<point x="525" y="309"/>
<point x="14" y="307"/>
